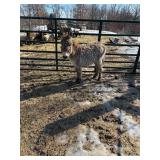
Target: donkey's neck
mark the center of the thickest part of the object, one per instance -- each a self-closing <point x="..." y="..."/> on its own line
<point x="73" y="54"/>
<point x="74" y="47"/>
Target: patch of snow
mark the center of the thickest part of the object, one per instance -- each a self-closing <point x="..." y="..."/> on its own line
<point x="108" y="32"/>
<point x="128" y="123"/>
<point x="127" y="50"/>
<point x="106" y="104"/>
<point x="75" y="29"/>
<point x="102" y="88"/>
<point x="96" y="32"/>
<point x="62" y="138"/>
<point x="87" y="137"/>
<point x="116" y="113"/>
<point x="136" y="39"/>
<point x="40" y="28"/>
<point x="23" y="34"/>
<point x="104" y="91"/>
<point x="84" y="103"/>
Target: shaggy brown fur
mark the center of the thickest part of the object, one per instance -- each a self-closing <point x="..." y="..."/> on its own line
<point x="83" y="55"/>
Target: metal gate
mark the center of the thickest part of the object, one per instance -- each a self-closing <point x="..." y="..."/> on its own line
<point x="133" y="69"/>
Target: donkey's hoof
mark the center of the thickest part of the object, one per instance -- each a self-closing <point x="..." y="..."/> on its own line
<point x="94" y="76"/>
<point x="99" y="79"/>
<point x="78" y="80"/>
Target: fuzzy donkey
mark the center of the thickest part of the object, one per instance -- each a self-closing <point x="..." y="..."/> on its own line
<point x="82" y="55"/>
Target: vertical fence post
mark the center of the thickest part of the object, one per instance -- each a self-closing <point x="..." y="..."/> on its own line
<point x="136" y="61"/>
<point x="56" y="44"/>
<point x="100" y="30"/>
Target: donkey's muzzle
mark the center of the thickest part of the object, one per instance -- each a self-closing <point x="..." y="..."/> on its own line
<point x="64" y="57"/>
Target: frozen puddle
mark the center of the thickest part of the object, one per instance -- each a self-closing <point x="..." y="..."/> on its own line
<point x="128" y="124"/>
<point x="87" y="144"/>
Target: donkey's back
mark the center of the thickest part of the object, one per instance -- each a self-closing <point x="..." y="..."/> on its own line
<point x="89" y="54"/>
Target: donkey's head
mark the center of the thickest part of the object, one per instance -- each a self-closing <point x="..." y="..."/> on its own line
<point x="66" y="44"/>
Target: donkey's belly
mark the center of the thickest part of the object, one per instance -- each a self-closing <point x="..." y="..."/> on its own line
<point x="86" y="61"/>
<point x="85" y="64"/>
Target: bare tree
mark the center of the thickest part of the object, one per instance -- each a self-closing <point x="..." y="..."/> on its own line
<point x="79" y="11"/>
<point x="87" y="11"/>
<point x="33" y="10"/>
<point x="68" y="12"/>
<point x="55" y="9"/>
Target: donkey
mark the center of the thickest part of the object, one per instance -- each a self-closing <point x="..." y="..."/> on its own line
<point x="82" y="55"/>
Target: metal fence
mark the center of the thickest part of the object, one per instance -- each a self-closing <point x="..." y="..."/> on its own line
<point x="133" y="69"/>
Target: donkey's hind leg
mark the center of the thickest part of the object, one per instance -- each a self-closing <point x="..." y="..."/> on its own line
<point x="95" y="71"/>
<point x="79" y="74"/>
<point x="100" y="70"/>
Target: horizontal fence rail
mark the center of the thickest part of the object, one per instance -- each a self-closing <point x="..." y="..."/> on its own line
<point x="56" y="42"/>
<point x="53" y="59"/>
<point x="73" y="19"/>
<point x="131" y="45"/>
<point x="92" y="34"/>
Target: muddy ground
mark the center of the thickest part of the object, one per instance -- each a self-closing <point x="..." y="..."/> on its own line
<point x="60" y="117"/>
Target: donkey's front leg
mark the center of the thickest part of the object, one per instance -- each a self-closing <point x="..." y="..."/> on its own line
<point x="100" y="69"/>
<point x="100" y="74"/>
<point x="95" y="71"/>
<point x="79" y="74"/>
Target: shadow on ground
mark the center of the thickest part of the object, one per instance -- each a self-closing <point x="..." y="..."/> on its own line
<point x="55" y="87"/>
<point x="84" y="116"/>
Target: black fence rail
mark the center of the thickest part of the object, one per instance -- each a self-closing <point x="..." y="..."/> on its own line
<point x="32" y="61"/>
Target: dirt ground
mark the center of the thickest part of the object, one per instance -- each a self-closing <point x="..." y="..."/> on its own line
<point x="60" y="117"/>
